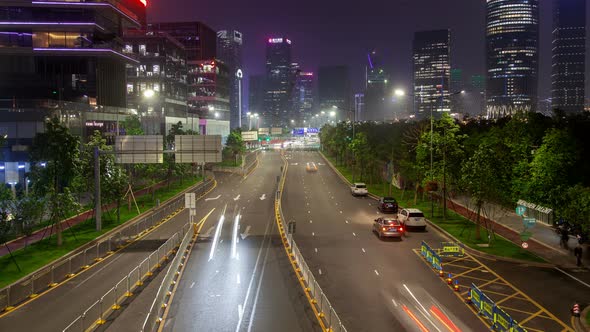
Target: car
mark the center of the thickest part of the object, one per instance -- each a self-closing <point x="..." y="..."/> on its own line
<point x="388" y="227"/>
<point x="311" y="167"/>
<point x="412" y="218"/>
<point x="387" y="205"/>
<point x="359" y="189"/>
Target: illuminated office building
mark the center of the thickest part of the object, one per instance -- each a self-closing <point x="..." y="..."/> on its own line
<point x="568" y="78"/>
<point x="376" y="89"/>
<point x="512" y="38"/>
<point x="280" y="81"/>
<point x="304" y="95"/>
<point x="229" y="50"/>
<point x="432" y="72"/>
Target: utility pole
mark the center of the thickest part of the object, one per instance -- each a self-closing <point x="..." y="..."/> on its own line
<point x="97" y="204"/>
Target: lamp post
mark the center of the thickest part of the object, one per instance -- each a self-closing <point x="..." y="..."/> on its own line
<point x="239" y="76"/>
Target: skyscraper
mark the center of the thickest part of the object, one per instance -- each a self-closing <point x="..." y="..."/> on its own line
<point x="229" y="50"/>
<point x="359" y="107"/>
<point x="279" y="83"/>
<point x="568" y="78"/>
<point x="208" y="79"/>
<point x="257" y="91"/>
<point x="432" y="70"/>
<point x="376" y="89"/>
<point x="304" y="95"/>
<point x="475" y="101"/>
<point x="512" y="38"/>
<point x="334" y="89"/>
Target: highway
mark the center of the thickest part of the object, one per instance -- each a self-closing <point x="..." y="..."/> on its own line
<point x="238" y="277"/>
<point x="374" y="285"/>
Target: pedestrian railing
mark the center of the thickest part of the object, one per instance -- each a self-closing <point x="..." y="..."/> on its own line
<point x="112" y="300"/>
<point x="499" y="319"/>
<point x="164" y="294"/>
<point x="67" y="267"/>
<point x="319" y="301"/>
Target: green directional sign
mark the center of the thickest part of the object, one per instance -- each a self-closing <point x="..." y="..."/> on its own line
<point x="529" y="222"/>
<point x="520" y="210"/>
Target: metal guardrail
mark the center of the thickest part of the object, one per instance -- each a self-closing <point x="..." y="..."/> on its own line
<point x="162" y="299"/>
<point x="324" y="309"/>
<point x="50" y="276"/>
<point x="111" y="301"/>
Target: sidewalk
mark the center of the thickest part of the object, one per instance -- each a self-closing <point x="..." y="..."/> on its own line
<point x="544" y="242"/>
<point x="42" y="233"/>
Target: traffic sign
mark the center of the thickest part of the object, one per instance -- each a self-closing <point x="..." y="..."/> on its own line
<point x="520" y="210"/>
<point x="525" y="245"/>
<point x="529" y="222"/>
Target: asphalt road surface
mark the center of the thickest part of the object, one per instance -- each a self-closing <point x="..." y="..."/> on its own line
<point x="374" y="285"/>
<point x="56" y="309"/>
<point x="238" y="277"/>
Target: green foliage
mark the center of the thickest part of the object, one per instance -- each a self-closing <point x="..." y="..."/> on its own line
<point x="28" y="212"/>
<point x="58" y="149"/>
<point x="132" y="125"/>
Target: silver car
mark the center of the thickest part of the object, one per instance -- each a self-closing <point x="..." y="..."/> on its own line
<point x="388" y="227"/>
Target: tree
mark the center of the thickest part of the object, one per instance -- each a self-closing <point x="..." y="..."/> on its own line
<point x="132" y="125"/>
<point x="576" y="208"/>
<point x="28" y="211"/>
<point x="116" y="183"/>
<point x="55" y="157"/>
<point x="235" y="143"/>
<point x="482" y="180"/>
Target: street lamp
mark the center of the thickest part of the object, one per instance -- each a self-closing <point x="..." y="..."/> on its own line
<point x="149" y="93"/>
<point x="332" y="114"/>
<point x="399" y="93"/>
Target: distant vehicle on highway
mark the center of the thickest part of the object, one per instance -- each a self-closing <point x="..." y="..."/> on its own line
<point x="359" y="189"/>
<point x="388" y="227"/>
<point x="311" y="167"/>
<point x="387" y="205"/>
<point x="412" y="218"/>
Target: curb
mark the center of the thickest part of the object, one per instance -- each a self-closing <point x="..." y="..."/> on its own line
<point x="440" y="229"/>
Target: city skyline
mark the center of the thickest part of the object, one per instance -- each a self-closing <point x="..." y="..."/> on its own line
<point x="389" y="31"/>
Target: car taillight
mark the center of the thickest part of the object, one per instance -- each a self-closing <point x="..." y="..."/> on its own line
<point x="384" y="229"/>
<point x="401" y="229"/>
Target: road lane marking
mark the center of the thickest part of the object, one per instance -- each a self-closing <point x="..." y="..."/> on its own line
<point x="308" y="211"/>
<point x="376" y="272"/>
<point x="316" y="250"/>
<point x="238" y="277"/>
<point x="394" y="303"/>
<point x="311" y="221"/>
<point x="240" y="311"/>
<point x="320" y="271"/>
<point x="312" y="234"/>
<point x="212" y="198"/>
<point x="263" y="197"/>
<point x="234" y="237"/>
<point x="346" y="221"/>
<point x="236" y="198"/>
<point x="192" y="285"/>
<point x="363" y="249"/>
<point x="353" y="233"/>
<point x="571" y="276"/>
<point x="246" y="232"/>
<point x="340" y="212"/>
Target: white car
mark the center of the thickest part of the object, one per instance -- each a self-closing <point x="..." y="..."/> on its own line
<point x="412" y="218"/>
<point x="359" y="189"/>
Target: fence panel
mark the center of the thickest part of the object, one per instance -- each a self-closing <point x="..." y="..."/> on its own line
<point x="41" y="280"/>
<point x="91" y="315"/>
<point x="4" y="298"/>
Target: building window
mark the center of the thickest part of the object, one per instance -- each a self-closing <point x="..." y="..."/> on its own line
<point x="142" y="49"/>
<point x="156" y="69"/>
<point x="128" y="49"/>
<point x="41" y="39"/>
<point x="129" y="88"/>
<point x="157" y="87"/>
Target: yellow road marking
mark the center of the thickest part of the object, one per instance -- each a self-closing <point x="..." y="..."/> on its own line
<point x="468" y="271"/>
<point x="531" y="317"/>
<point x="507" y="298"/>
<point x="525" y="312"/>
<point x="475" y="278"/>
<point x="140" y="236"/>
<point x="456" y="260"/>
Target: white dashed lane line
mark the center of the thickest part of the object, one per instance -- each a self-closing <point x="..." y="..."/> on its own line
<point x="376" y="272"/>
<point x="363" y="249"/>
<point x="316" y="250"/>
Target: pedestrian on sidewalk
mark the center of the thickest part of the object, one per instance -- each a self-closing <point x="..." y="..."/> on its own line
<point x="578" y="253"/>
<point x="565" y="237"/>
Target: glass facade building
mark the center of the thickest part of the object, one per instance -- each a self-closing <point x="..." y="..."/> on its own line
<point x="512" y="38"/>
<point x="157" y="86"/>
<point x="66" y="50"/>
<point x="568" y="78"/>
<point x="432" y="72"/>
<point x="229" y="50"/>
<point x="376" y="89"/>
<point x="280" y="81"/>
<point x="304" y="95"/>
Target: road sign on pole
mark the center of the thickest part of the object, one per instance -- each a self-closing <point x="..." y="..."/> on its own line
<point x="190" y="201"/>
<point x="525" y="245"/>
<point x="520" y="210"/>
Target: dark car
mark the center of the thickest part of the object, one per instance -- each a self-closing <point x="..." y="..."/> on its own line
<point x="387" y="205"/>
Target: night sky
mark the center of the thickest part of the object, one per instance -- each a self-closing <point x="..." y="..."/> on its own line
<point x="329" y="32"/>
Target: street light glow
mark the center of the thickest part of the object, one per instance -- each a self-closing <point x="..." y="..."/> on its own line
<point x="149" y="93"/>
<point x="332" y="114"/>
<point x="399" y="92"/>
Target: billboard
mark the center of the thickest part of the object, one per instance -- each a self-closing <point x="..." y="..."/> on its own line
<point x="263" y="131"/>
<point x="198" y="148"/>
<point x="250" y="136"/>
<point x="305" y="131"/>
<point x="147" y="149"/>
<point x="276" y="131"/>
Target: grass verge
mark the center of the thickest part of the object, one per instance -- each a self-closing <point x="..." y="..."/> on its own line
<point x="45" y="251"/>
<point x="457" y="225"/>
<point x="588" y="318"/>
